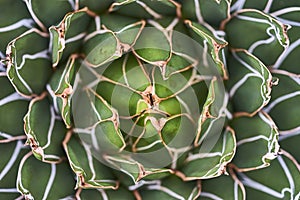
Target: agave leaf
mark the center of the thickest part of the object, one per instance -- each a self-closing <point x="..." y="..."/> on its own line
<point x="145" y="9"/>
<point x="38" y="180"/>
<point x="66" y="37"/>
<point x="257" y="141"/>
<point x="101" y="46"/>
<point x="29" y="67"/>
<point x="153" y="46"/>
<point x="289" y="16"/>
<point x="127" y="29"/>
<point x="213" y="46"/>
<point x="264" y="184"/>
<point x="120" y="193"/>
<point x="47" y="13"/>
<point x="61" y="88"/>
<point x="18" y="23"/>
<point x="289" y="141"/>
<point x="13" y="107"/>
<point x="285" y="94"/>
<point x="200" y="11"/>
<point x="268" y="42"/>
<point x="264" y="5"/>
<point x="44" y="136"/>
<point x="223" y="187"/>
<point x="212" y="117"/>
<point x="90" y="172"/>
<point x="254" y="4"/>
<point x="95" y="5"/>
<point x="170" y="188"/>
<point x="250" y="83"/>
<point x="210" y="159"/>
<point x="14" y="152"/>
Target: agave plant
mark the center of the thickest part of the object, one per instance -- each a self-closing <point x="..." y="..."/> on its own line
<point x="140" y="99"/>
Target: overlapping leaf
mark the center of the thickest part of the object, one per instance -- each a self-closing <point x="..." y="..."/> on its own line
<point x="13" y="108"/>
<point x="250" y="83"/>
<point x="214" y="188"/>
<point x="169" y="188"/>
<point x="44" y="136"/>
<point x="38" y="180"/>
<point x="25" y="58"/>
<point x="9" y="162"/>
<point x="66" y="38"/>
<point x="257" y="141"/>
<point x="265" y="184"/>
<point x="268" y="42"/>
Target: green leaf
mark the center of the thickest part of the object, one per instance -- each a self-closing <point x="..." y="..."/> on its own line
<point x="289" y="141"/>
<point x="95" y="5"/>
<point x="61" y="88"/>
<point x="223" y="187"/>
<point x="201" y="11"/>
<point x="169" y="188"/>
<point x="90" y="172"/>
<point x="29" y="67"/>
<point x="120" y="193"/>
<point x="213" y="48"/>
<point x="145" y="9"/>
<point x="212" y="117"/>
<point x="14" y="152"/>
<point x="46" y="13"/>
<point x="210" y="159"/>
<point x="284" y="96"/>
<point x="44" y="131"/>
<point x="257" y="141"/>
<point x="38" y="180"/>
<point x="67" y="36"/>
<point x="250" y="83"/>
<point x="13" y="26"/>
<point x="101" y="46"/>
<point x="264" y="184"/>
<point x="267" y="42"/>
<point x="127" y="29"/>
<point x="13" y="107"/>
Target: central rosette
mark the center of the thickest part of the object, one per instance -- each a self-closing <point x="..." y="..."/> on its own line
<point x="151" y="111"/>
<point x="149" y="104"/>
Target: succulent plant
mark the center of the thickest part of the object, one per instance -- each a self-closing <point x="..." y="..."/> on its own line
<point x="149" y="99"/>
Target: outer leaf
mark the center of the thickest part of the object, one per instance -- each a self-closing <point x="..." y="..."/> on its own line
<point x="212" y="117"/>
<point x="223" y="187"/>
<point x="95" y="5"/>
<point x="61" y="88"/>
<point x="29" y="67"/>
<point x="66" y="38"/>
<point x="120" y="193"/>
<point x="170" y="188"/>
<point x="13" y="107"/>
<point x="268" y="42"/>
<point x="101" y="46"/>
<point x="257" y="140"/>
<point x="47" y="13"/>
<point x="38" y="180"/>
<point x="212" y="157"/>
<point x="90" y="172"/>
<point x="264" y="184"/>
<point x="14" y="152"/>
<point x="249" y="84"/>
<point x="284" y="96"/>
<point x="213" y="46"/>
<point x="201" y="11"/>
<point x="145" y="9"/>
<point x="45" y="132"/>
<point x="18" y="22"/>
<point x="289" y="142"/>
